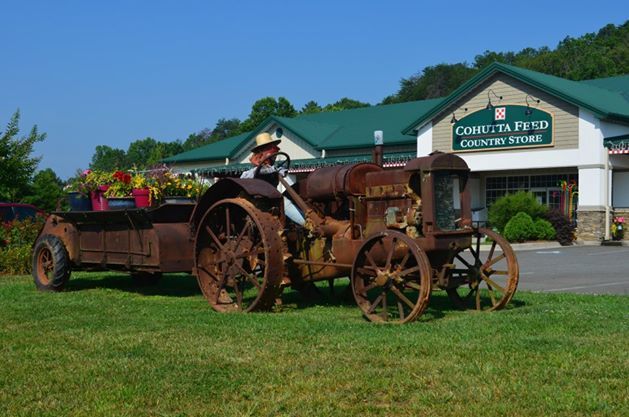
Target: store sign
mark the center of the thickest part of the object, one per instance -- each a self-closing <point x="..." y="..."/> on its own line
<point x="503" y="127"/>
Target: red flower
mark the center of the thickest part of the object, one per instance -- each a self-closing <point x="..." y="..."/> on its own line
<point x="122" y="177"/>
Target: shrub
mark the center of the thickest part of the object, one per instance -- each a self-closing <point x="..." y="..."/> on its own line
<point x="16" y="241"/>
<point x="544" y="230"/>
<point x="563" y="227"/>
<point x="15" y="260"/>
<point x="508" y="206"/>
<point x="519" y="228"/>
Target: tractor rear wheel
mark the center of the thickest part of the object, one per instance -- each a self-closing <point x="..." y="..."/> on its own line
<point x="51" y="264"/>
<point x="391" y="278"/>
<point x="490" y="275"/>
<point x="238" y="257"/>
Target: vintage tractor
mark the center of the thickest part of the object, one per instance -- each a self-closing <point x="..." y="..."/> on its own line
<point x="397" y="235"/>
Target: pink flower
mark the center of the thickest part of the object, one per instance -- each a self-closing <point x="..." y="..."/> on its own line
<point x="87" y="172"/>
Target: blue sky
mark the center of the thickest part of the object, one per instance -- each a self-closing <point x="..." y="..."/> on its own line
<point x="111" y="72"/>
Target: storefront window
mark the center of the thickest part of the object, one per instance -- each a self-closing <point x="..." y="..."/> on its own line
<point x="546" y="188"/>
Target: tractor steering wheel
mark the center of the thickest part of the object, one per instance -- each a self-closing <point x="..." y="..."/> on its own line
<point x="279" y="165"/>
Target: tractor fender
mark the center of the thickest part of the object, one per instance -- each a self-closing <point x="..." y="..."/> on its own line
<point x="251" y="189"/>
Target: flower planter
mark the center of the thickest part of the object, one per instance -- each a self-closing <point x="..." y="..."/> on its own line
<point x="179" y="200"/>
<point x="120" y="203"/>
<point x="79" y="202"/>
<point x="99" y="202"/>
<point x="142" y="197"/>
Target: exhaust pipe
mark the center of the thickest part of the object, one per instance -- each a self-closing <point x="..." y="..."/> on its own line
<point x="378" y="152"/>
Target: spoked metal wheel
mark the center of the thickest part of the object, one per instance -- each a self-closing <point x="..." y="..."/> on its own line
<point x="391" y="278"/>
<point x="488" y="274"/>
<point x="238" y="257"/>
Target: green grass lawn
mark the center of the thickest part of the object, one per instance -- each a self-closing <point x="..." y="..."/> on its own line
<point x="108" y="348"/>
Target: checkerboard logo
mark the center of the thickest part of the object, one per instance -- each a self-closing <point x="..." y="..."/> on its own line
<point x="500" y="113"/>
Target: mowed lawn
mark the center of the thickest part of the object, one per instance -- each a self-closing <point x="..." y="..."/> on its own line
<point x="108" y="348"/>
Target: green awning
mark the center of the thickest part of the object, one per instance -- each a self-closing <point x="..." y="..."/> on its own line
<point x="397" y="159"/>
<point x="617" y="144"/>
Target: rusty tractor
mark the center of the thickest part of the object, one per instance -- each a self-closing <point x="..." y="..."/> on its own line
<point x="397" y="235"/>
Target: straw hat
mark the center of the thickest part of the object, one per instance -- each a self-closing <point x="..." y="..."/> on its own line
<point x="264" y="139"/>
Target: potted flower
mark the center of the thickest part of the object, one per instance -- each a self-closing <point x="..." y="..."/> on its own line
<point x="179" y="189"/>
<point x="144" y="190"/>
<point x="618" y="230"/>
<point x="79" y="192"/>
<point x="119" y="191"/>
<point x="97" y="182"/>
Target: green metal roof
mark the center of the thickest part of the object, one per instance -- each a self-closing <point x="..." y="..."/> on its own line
<point x="604" y="102"/>
<point x="619" y="84"/>
<point x="356" y="126"/>
<point x="218" y="150"/>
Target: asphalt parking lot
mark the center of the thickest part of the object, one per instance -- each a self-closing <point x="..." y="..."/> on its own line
<point x="581" y="269"/>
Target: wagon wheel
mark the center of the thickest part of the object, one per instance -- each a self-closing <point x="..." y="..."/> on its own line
<point x="51" y="264"/>
<point x="391" y="278"/>
<point x="489" y="279"/>
<point x="238" y="257"/>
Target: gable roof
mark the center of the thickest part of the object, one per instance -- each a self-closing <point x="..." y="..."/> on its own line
<point x="603" y="97"/>
<point x="354" y="128"/>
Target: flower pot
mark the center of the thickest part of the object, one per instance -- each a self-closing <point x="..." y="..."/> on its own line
<point x="121" y="203"/>
<point x="79" y="202"/>
<point x="142" y="197"/>
<point x="99" y="202"/>
<point x="179" y="200"/>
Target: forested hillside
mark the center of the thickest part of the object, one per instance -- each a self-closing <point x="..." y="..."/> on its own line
<point x="593" y="55"/>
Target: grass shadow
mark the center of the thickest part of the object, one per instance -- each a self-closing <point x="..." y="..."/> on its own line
<point x="341" y="296"/>
<point x="170" y="285"/>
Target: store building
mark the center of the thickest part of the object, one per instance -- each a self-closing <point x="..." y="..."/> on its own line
<point x="565" y="141"/>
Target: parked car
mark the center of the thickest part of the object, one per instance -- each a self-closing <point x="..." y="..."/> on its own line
<point x="12" y="211"/>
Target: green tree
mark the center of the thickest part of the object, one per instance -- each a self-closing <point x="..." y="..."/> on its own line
<point x="140" y="151"/>
<point x="264" y="108"/>
<point x="435" y="81"/>
<point x="106" y="158"/>
<point x="16" y="163"/>
<point x="311" y="107"/>
<point x="161" y="151"/>
<point x="225" y="128"/>
<point x="46" y="190"/>
<point x="345" y="104"/>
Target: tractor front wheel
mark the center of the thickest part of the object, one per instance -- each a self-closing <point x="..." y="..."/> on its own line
<point x="391" y="278"/>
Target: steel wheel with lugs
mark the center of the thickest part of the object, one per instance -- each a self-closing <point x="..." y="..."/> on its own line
<point x="391" y="278"/>
<point x="238" y="259"/>
<point x="488" y="274"/>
